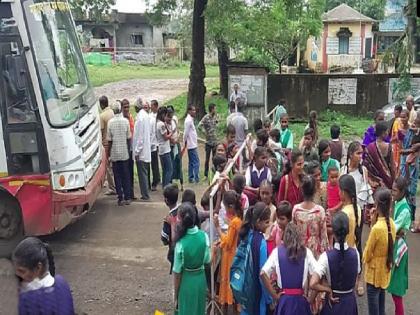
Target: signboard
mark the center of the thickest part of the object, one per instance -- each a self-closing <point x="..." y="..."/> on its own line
<point x="394" y="20"/>
<point x="252" y="85"/>
<point x="342" y="91"/>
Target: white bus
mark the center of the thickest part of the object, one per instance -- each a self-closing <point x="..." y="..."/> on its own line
<point x="52" y="164"/>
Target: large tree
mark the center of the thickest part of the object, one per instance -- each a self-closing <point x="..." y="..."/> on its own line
<point x="96" y="10"/>
<point x="372" y="8"/>
<point x="222" y="19"/>
<point x="278" y="27"/>
<point x="224" y="24"/>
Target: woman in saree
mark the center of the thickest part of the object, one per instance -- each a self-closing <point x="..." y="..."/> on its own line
<point x="370" y="135"/>
<point x="379" y="160"/>
<point x="277" y="116"/>
<point x="397" y="144"/>
<point x="393" y="133"/>
<point x="411" y="172"/>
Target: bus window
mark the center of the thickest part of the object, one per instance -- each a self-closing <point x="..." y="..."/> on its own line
<point x="15" y="84"/>
<point x="24" y="153"/>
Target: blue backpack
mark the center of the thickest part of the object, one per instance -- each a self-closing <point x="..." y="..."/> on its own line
<point x="241" y="274"/>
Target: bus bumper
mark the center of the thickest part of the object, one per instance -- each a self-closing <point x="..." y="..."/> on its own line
<point x="71" y="206"/>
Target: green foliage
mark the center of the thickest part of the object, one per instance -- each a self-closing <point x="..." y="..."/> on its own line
<point x="97" y="10"/>
<point x="401" y="54"/>
<point x="276" y="27"/>
<point x="255" y="56"/>
<point x="100" y="75"/>
<point x="374" y="9"/>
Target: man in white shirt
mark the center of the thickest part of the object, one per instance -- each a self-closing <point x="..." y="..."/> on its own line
<point x="154" y="106"/>
<point x="237" y="95"/>
<point x="190" y="143"/>
<point x="142" y="146"/>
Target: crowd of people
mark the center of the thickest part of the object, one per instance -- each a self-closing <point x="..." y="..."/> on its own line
<point x="153" y="136"/>
<point x="288" y="220"/>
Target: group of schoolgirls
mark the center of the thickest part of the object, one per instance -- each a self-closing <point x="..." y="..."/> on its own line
<point x="302" y="217"/>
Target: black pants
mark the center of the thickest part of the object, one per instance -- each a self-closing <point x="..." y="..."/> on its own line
<point x="155" y="170"/>
<point x="122" y="179"/>
<point x="210" y="150"/>
<point x="131" y="175"/>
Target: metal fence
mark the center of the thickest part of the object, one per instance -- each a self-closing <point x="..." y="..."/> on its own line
<point x="143" y="55"/>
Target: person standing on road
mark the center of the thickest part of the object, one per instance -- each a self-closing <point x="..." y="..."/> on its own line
<point x="370" y="135"/>
<point x="378" y="255"/>
<point x="209" y="123"/>
<point x="240" y="123"/>
<point x="190" y="143"/>
<point x="105" y="116"/>
<point x="175" y="147"/>
<point x="118" y="136"/>
<point x="126" y="113"/>
<point x="142" y="147"/>
<point x="163" y="136"/>
<point x="154" y="106"/>
<point x="192" y="253"/>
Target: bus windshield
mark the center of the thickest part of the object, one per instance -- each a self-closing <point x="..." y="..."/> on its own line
<point x="63" y="78"/>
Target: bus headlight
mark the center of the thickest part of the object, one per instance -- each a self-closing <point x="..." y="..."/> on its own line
<point x="68" y="180"/>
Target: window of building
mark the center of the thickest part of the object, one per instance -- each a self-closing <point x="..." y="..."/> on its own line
<point x="343" y="40"/>
<point x="137" y="39"/>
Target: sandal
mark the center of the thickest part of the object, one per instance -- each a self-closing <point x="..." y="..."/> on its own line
<point x="415" y="230"/>
<point x="360" y="291"/>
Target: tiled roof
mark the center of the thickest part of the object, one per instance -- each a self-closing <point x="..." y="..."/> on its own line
<point x="345" y="13"/>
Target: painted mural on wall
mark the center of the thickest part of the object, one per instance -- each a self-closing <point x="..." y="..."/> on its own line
<point x="342" y="91"/>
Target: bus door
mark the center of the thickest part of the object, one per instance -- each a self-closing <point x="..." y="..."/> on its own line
<point x="22" y="128"/>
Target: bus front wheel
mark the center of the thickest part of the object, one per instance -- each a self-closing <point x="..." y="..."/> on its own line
<point x="11" y="224"/>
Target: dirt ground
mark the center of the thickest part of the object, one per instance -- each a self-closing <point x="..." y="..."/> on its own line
<point x="159" y="89"/>
<point x="113" y="257"/>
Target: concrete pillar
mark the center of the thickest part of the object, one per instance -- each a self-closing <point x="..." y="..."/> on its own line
<point x="324" y="48"/>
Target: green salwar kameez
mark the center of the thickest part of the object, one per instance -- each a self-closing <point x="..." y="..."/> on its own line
<point x="399" y="277"/>
<point x="191" y="253"/>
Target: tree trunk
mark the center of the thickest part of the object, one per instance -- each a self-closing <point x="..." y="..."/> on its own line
<point x="223" y="58"/>
<point x="196" y="88"/>
<point x="411" y="17"/>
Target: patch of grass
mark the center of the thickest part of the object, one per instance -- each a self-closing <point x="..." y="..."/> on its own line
<point x="100" y="75"/>
<point x="352" y="127"/>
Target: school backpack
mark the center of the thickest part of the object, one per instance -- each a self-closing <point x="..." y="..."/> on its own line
<point x="241" y="275"/>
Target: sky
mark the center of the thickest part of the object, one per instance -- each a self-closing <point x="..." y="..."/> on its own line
<point x="131" y="6"/>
